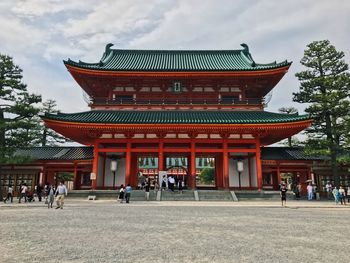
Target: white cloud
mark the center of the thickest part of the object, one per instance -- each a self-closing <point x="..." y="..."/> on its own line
<point x="41" y="33"/>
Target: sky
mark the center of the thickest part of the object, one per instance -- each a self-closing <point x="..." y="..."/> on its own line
<point x="39" y="34"/>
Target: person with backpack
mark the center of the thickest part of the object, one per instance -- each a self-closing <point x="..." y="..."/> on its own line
<point x="128" y="190"/>
<point x="121" y="193"/>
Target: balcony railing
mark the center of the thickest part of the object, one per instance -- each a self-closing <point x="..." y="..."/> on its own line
<point x="182" y="101"/>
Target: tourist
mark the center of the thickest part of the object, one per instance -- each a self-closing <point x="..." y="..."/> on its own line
<point x="9" y="194"/>
<point x="296" y="191"/>
<point x="23" y="193"/>
<point x="329" y="190"/>
<point x="39" y="192"/>
<point x="171" y="183"/>
<point x="342" y="195"/>
<point x="121" y="193"/>
<point x="283" y="192"/>
<point x="310" y="193"/>
<point x="336" y="195"/>
<point x="61" y="192"/>
<point x="50" y="195"/>
<point x="180" y="186"/>
<point x="147" y="187"/>
<point x="128" y="193"/>
<point x="348" y="193"/>
<point x="155" y="186"/>
<point x="164" y="181"/>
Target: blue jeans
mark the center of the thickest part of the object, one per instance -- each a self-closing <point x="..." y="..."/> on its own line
<point x="309" y="195"/>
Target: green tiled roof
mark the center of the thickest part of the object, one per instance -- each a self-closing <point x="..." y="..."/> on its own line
<point x="176" y="117"/>
<point x="177" y="60"/>
<point x="57" y="153"/>
<point x="287" y="153"/>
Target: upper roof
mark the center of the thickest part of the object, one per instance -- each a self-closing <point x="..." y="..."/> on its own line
<point x="57" y="153"/>
<point x="176" y="60"/>
<point x="176" y="117"/>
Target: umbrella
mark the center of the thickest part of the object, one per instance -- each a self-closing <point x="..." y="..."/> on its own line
<point x="308" y="181"/>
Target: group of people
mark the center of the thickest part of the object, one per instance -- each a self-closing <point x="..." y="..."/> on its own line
<point x="124" y="193"/>
<point x="170" y="182"/>
<point x="50" y="192"/>
<point x="339" y="194"/>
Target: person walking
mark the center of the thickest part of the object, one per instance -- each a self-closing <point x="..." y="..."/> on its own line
<point x="23" y="193"/>
<point x="283" y="193"/>
<point x="39" y="191"/>
<point x="61" y="192"/>
<point x="50" y="196"/>
<point x="9" y="194"/>
<point x="128" y="190"/>
<point x="121" y="193"/>
<point x="147" y="187"/>
<point x="348" y="193"/>
<point x="309" y="189"/>
<point x="342" y="195"/>
<point x="329" y="190"/>
<point x="336" y="195"/>
<point x="180" y="186"/>
<point x="164" y="181"/>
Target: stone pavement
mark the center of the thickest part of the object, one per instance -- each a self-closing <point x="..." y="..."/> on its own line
<point x="107" y="231"/>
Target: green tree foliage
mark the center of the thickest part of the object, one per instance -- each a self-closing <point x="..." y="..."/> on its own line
<point x="290" y="110"/>
<point x="17" y="109"/>
<point x="324" y="85"/>
<point x="49" y="136"/>
<point x="207" y="175"/>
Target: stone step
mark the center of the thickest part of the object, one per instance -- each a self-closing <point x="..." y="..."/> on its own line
<point x="214" y="195"/>
<point x="186" y="195"/>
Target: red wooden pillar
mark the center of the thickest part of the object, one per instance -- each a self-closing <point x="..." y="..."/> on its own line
<point x="258" y="164"/>
<point x="75" y="175"/>
<point x="95" y="165"/>
<point x="161" y="156"/>
<point x="128" y="163"/>
<point x="192" y="180"/>
<point x="225" y="165"/>
<point x="249" y="172"/>
<point x="278" y="173"/>
<point x="219" y="171"/>
<point x="134" y="170"/>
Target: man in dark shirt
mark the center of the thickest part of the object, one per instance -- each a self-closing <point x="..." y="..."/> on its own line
<point x="283" y="192"/>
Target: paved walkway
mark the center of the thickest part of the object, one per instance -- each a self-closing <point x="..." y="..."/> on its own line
<point x="107" y="231"/>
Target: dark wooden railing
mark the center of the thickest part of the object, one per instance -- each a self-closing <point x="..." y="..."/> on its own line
<point x="183" y="101"/>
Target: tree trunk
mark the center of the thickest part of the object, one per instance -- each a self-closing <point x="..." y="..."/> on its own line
<point x="43" y="139"/>
<point x="334" y="166"/>
<point x="2" y="135"/>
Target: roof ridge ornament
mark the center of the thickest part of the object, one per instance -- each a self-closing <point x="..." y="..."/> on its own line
<point x="247" y="53"/>
<point x="108" y="51"/>
<point x="108" y="48"/>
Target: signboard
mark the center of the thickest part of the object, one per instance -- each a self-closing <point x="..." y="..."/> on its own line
<point x="92" y="176"/>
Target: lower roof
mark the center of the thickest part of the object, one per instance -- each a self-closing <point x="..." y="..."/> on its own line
<point x="176" y="117"/>
<point x="57" y="153"/>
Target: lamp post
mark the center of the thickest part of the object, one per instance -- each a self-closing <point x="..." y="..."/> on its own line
<point x="240" y="168"/>
<point x="114" y="167"/>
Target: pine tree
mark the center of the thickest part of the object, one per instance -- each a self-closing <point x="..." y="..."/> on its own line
<point x="49" y="136"/>
<point x="324" y="85"/>
<point x="289" y="110"/>
<point x="17" y="108"/>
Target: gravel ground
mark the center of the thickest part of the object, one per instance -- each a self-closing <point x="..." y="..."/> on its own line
<point x="106" y="231"/>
